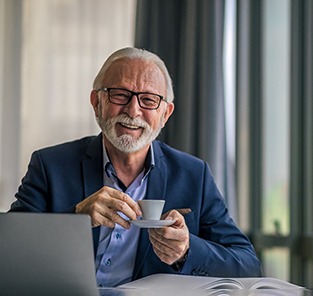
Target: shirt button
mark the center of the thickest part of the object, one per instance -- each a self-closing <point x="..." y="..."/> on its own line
<point x="118" y="235"/>
<point x="108" y="262"/>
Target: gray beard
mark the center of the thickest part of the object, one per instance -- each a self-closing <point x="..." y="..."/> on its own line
<point x="126" y="143"/>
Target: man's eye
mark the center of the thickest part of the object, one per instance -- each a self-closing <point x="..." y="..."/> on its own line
<point x="120" y="96"/>
<point x="148" y="100"/>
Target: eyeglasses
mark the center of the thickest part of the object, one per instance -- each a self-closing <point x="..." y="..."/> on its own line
<point x="121" y="96"/>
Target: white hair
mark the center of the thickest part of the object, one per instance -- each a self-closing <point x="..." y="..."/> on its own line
<point x="136" y="53"/>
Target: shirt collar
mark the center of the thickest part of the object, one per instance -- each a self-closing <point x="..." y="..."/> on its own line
<point x="109" y="169"/>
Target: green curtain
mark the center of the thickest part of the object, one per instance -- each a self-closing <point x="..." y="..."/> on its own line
<point x="301" y="180"/>
<point x="188" y="36"/>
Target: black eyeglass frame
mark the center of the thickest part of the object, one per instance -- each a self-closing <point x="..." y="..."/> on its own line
<point x="133" y="93"/>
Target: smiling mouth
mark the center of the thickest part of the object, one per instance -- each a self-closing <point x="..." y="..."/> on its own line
<point x="130" y="126"/>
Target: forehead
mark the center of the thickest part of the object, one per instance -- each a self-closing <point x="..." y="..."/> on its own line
<point x="136" y="74"/>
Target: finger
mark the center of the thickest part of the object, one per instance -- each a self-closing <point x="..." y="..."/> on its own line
<point x="124" y="198"/>
<point x="117" y="206"/>
<point x="114" y="211"/>
<point x="162" y="243"/>
<point x="184" y="211"/>
<point x="164" y="257"/>
<point x="168" y="253"/>
<point x="110" y="201"/>
<point x="98" y="220"/>
<point x="170" y="243"/>
<point x="179" y="220"/>
<point x="103" y="207"/>
<point x="175" y="232"/>
<point x="107" y="218"/>
<point x="168" y="235"/>
<point x="176" y="213"/>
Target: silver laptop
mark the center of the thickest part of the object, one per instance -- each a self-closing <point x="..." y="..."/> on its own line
<point x="46" y="254"/>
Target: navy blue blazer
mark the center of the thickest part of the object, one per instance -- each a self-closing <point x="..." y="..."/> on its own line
<point x="59" y="177"/>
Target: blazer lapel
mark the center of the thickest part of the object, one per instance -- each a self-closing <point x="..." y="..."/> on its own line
<point x="92" y="169"/>
<point x="156" y="190"/>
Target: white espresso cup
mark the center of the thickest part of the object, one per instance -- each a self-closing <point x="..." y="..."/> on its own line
<point x="151" y="208"/>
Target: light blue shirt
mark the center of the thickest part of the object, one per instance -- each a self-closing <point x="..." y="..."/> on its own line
<point x="117" y="248"/>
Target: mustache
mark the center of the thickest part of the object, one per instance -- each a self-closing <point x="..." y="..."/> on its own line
<point x="125" y="119"/>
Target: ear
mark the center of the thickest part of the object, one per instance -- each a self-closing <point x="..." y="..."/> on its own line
<point x="168" y="112"/>
<point x="94" y="100"/>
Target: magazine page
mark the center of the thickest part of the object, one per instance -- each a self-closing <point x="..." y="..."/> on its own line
<point x="217" y="286"/>
<point x="163" y="281"/>
<point x="246" y="292"/>
<point x="223" y="283"/>
<point x="267" y="283"/>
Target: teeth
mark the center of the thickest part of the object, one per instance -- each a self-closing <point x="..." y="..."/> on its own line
<point x="130" y="126"/>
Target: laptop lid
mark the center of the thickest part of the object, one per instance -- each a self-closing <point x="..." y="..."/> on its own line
<point x="46" y="254"/>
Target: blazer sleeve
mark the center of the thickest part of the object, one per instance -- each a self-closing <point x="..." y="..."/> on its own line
<point x="217" y="246"/>
<point x="48" y="186"/>
<point x="32" y="195"/>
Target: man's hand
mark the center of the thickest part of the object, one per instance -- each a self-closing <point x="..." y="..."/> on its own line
<point x="171" y="243"/>
<point x="105" y="205"/>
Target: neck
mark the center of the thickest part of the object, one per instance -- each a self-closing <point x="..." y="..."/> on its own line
<point x="127" y="165"/>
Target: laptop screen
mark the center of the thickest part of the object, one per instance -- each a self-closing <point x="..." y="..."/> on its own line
<point x="46" y="254"/>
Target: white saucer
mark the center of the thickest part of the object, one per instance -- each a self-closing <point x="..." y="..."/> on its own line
<point x="152" y="223"/>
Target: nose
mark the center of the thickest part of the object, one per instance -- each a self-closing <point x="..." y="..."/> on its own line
<point x="132" y="108"/>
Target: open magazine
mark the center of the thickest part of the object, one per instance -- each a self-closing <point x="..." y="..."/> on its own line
<point x="217" y="286"/>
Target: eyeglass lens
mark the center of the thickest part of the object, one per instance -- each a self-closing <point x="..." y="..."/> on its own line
<point x="123" y="97"/>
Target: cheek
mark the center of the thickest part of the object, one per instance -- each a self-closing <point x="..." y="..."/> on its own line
<point x="108" y="111"/>
<point x="155" y="121"/>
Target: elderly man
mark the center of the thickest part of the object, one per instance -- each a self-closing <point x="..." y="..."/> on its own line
<point x="104" y="176"/>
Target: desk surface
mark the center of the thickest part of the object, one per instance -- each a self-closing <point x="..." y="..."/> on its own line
<point x="196" y="292"/>
<point x="176" y="291"/>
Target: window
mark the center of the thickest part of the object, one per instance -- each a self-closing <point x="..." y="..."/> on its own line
<point x="275" y="137"/>
<point x="52" y="52"/>
<point x="274" y="134"/>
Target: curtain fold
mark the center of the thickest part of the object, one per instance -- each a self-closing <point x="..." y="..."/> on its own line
<point x="249" y="112"/>
<point x="188" y="36"/>
<point x="301" y="186"/>
<point x="10" y="92"/>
